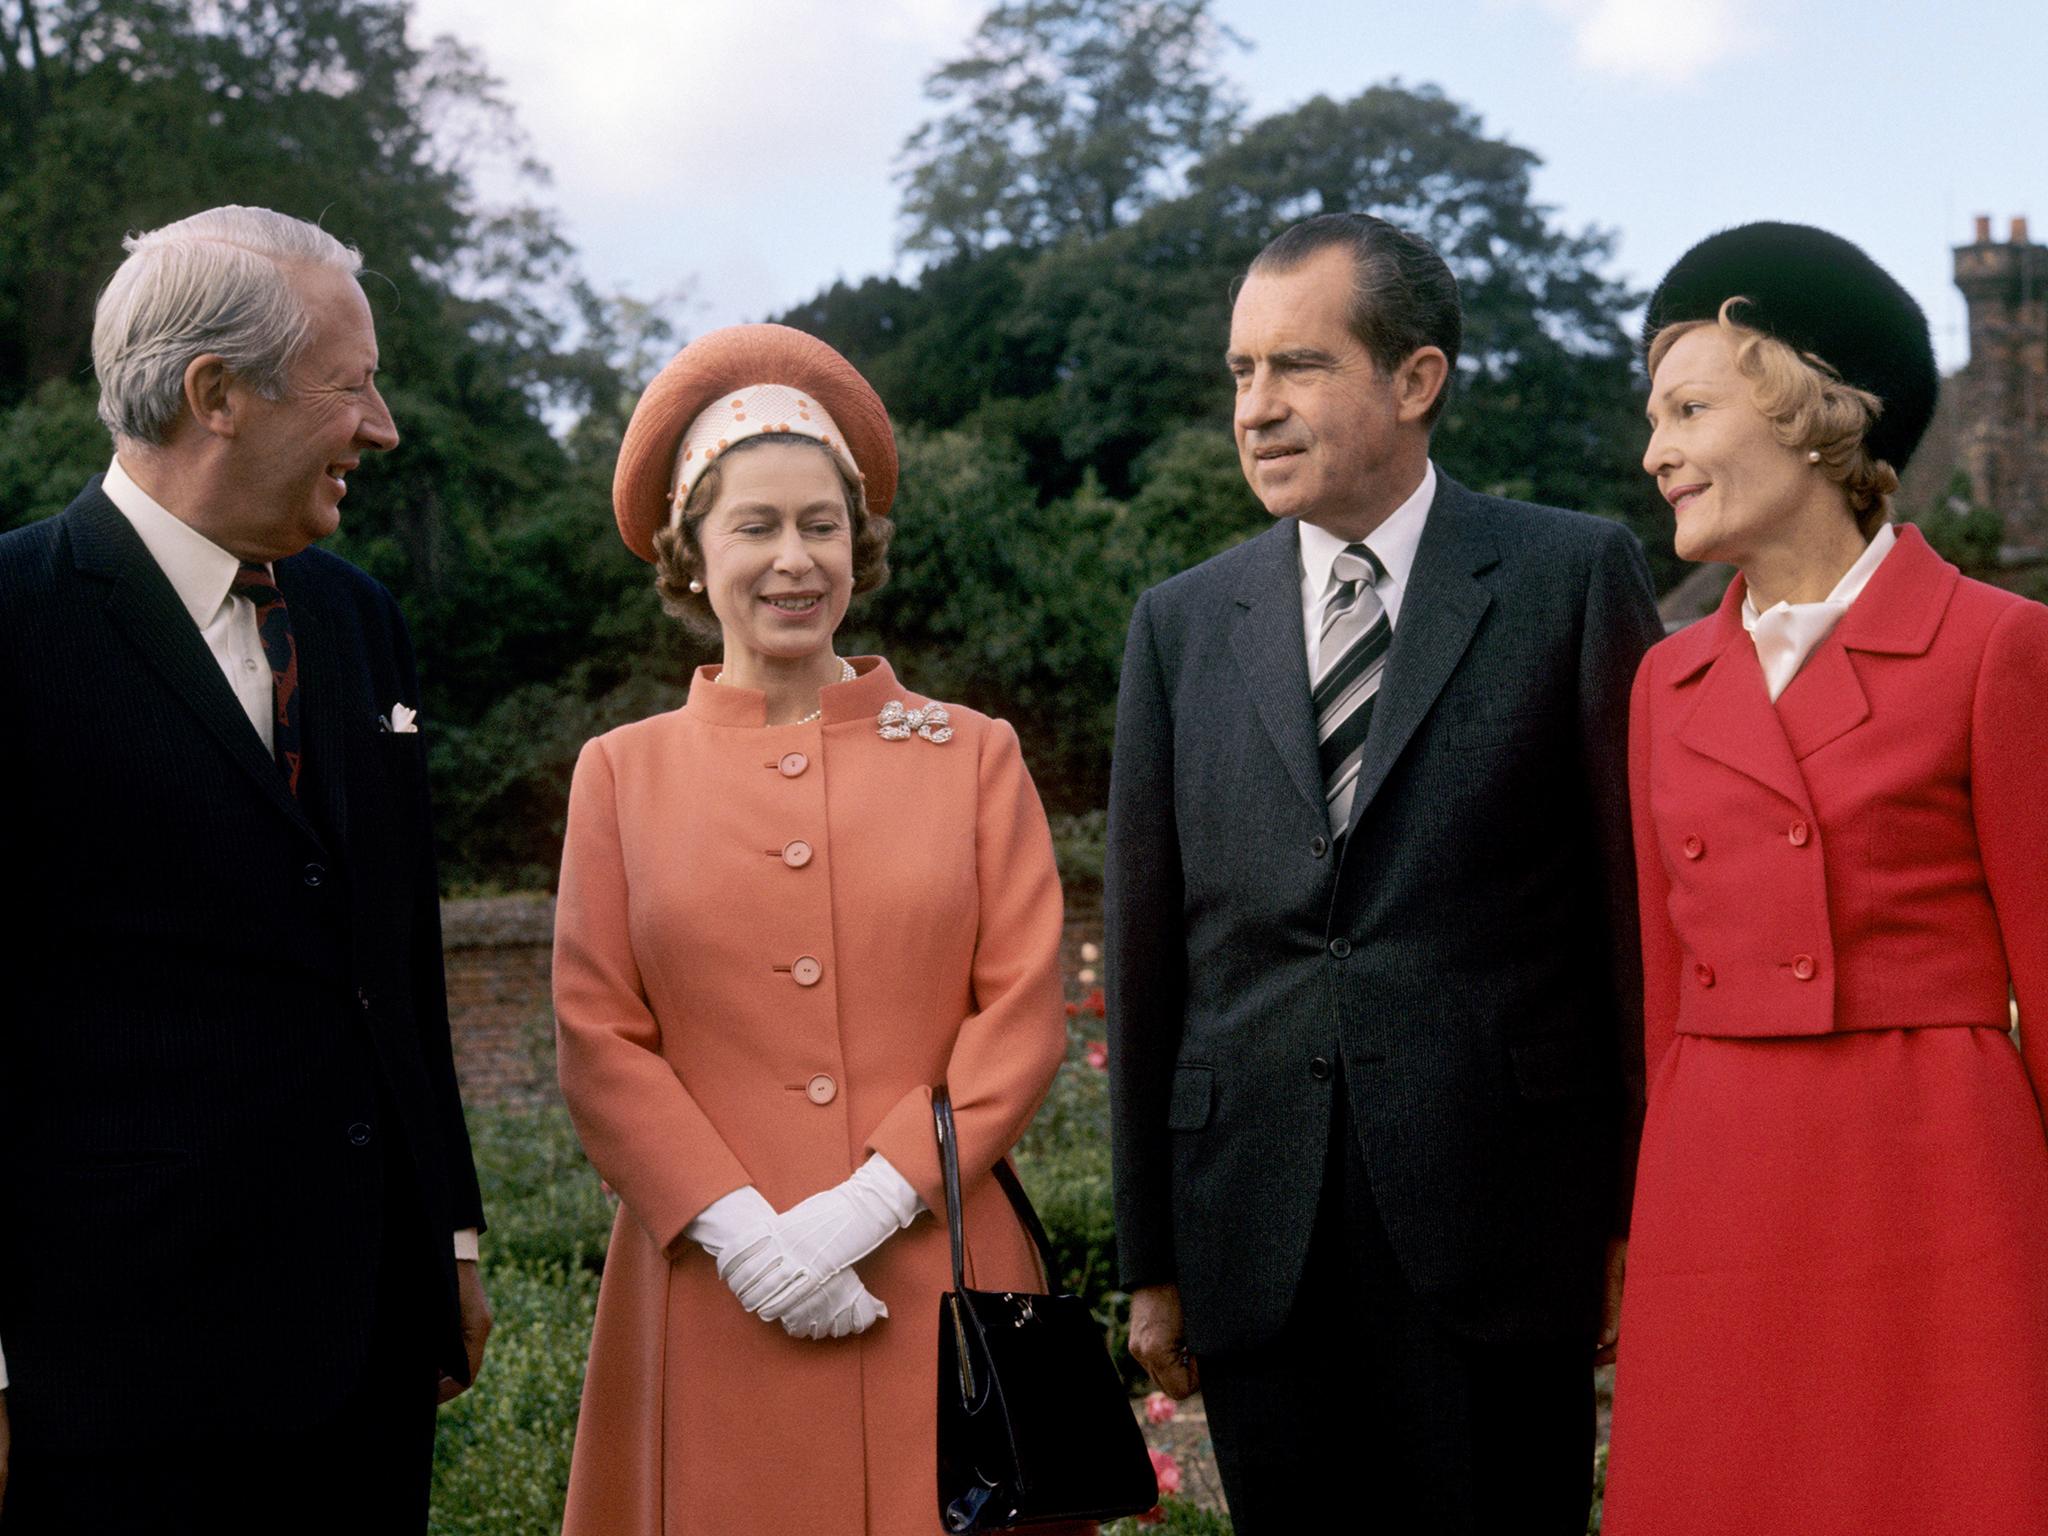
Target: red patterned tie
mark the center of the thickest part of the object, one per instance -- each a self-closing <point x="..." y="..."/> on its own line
<point x="274" y="625"/>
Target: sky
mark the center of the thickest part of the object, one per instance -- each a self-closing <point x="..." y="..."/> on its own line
<point x="744" y="154"/>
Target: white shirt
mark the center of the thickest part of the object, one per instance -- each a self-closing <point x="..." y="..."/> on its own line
<point x="201" y="572"/>
<point x="1786" y="633"/>
<point x="1393" y="543"/>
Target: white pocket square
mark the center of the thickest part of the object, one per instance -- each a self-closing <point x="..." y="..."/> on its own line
<point x="401" y="722"/>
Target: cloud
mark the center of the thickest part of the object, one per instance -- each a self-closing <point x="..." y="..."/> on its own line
<point x="1667" y="40"/>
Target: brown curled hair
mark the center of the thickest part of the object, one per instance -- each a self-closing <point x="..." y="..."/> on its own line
<point x="678" y="559"/>
<point x="1809" y="408"/>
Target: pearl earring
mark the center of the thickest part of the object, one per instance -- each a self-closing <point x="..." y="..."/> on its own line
<point x="696" y="585"/>
<point x="1813" y="455"/>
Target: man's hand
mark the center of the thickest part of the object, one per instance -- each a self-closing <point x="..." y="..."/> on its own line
<point x="1610" y="1303"/>
<point x="1156" y="1340"/>
<point x="476" y="1326"/>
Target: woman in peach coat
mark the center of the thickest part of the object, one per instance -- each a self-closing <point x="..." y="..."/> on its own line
<point x="787" y="911"/>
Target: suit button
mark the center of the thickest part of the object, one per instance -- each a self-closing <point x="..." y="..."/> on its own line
<point x="1319" y="1068"/>
<point x="806" y="971"/>
<point x="1694" y="847"/>
<point x="1703" y="973"/>
<point x="1798" y="833"/>
<point x="792" y="764"/>
<point x="1803" y="967"/>
<point x="359" y="1134"/>
<point x="1318" y="846"/>
<point x="1340" y="947"/>
<point x="314" y="874"/>
<point x="796" y="854"/>
<point x="821" y="1089"/>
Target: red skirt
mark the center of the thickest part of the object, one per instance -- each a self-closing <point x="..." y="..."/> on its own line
<point x="1836" y="1315"/>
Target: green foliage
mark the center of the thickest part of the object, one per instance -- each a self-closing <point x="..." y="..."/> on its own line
<point x="1064" y="117"/>
<point x="1080" y="840"/>
<point x="50" y="445"/>
<point x="1960" y="530"/>
<point x="501" y="1454"/>
<point x="546" y="1208"/>
<point x="1180" y="1519"/>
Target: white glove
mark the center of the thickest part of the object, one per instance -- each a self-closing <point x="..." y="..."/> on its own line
<point x="842" y="1306"/>
<point x="789" y="1261"/>
<point x="742" y="1218"/>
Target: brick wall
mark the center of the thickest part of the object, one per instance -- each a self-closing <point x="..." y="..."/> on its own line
<point x="497" y="951"/>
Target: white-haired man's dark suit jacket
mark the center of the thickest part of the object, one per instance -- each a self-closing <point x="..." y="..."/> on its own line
<point x="228" y="1107"/>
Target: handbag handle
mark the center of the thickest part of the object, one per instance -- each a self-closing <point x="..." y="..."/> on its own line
<point x="949" y="1166"/>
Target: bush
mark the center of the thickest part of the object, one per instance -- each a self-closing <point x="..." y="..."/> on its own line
<point x="541" y="1195"/>
<point x="501" y="1456"/>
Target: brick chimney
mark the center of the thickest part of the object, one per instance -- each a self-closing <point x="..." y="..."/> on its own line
<point x="1983" y="229"/>
<point x="2019" y="229"/>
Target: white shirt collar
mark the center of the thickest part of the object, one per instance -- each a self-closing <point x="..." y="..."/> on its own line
<point x="199" y="570"/>
<point x="1393" y="542"/>
<point x="1785" y="634"/>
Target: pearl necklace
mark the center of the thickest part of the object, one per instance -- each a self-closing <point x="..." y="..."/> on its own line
<point x="846" y="675"/>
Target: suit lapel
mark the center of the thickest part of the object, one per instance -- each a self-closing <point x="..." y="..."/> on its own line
<point x="142" y="606"/>
<point x="1273" y="654"/>
<point x="1440" y="612"/>
<point x="1734" y="722"/>
<point x="1824" y="702"/>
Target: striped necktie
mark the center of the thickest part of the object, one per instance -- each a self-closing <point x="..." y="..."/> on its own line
<point x="274" y="628"/>
<point x="1351" y="657"/>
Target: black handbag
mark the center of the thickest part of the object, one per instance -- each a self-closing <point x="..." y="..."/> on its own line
<point x="1034" y="1424"/>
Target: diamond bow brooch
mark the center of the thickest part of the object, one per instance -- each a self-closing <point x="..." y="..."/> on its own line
<point x="929" y="721"/>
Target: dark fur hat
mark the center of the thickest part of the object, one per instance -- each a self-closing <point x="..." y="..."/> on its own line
<point x="1821" y="295"/>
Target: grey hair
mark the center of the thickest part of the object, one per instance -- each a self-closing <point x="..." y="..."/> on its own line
<point x="219" y="281"/>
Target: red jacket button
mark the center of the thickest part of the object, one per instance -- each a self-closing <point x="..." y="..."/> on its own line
<point x="1703" y="974"/>
<point x="1694" y="847"/>
<point x="1803" y="967"/>
<point x="1799" y="833"/>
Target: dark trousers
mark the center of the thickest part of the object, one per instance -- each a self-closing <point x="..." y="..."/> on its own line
<point x="363" y="1471"/>
<point x="1365" y="1402"/>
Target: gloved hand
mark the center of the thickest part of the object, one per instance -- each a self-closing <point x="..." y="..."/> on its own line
<point x="788" y="1262"/>
<point x="740" y="1221"/>
<point x="842" y="1306"/>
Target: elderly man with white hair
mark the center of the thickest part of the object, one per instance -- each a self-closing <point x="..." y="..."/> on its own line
<point x="238" y="1212"/>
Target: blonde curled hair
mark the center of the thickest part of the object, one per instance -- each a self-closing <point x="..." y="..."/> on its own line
<point x="1810" y="409"/>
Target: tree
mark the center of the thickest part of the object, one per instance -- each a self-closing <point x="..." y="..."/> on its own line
<point x="1064" y="117"/>
<point x="118" y="115"/>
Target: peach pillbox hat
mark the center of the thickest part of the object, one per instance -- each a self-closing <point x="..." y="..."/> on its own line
<point x="723" y="371"/>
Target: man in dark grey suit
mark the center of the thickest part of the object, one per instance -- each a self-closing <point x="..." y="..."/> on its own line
<point x="1375" y="1048"/>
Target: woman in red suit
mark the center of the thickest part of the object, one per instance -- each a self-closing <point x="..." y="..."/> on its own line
<point x="1836" y="1317"/>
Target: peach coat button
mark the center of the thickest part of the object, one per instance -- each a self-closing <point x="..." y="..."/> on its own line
<point x="1694" y="847"/>
<point x="796" y="854"/>
<point x="1703" y="973"/>
<point x="807" y="971"/>
<point x="822" y="1089"/>
<point x="1803" y="967"/>
<point x="792" y="764"/>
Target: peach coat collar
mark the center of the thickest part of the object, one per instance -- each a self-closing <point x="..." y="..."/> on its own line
<point x="715" y="703"/>
<point x="1734" y="721"/>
